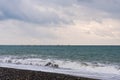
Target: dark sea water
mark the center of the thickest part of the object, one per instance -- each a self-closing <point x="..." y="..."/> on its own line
<point x="98" y="59"/>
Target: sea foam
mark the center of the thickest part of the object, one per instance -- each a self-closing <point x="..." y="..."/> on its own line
<point x="77" y="68"/>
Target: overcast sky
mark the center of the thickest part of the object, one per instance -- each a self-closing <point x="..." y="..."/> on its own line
<point x="60" y="22"/>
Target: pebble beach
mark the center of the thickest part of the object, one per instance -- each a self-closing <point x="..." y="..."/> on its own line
<point x="19" y="74"/>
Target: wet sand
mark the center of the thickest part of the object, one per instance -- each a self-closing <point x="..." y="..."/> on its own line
<point x="18" y="74"/>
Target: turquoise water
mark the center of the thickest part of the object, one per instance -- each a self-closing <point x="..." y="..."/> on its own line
<point x="103" y="54"/>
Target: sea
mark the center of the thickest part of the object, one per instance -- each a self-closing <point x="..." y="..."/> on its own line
<point x="93" y="61"/>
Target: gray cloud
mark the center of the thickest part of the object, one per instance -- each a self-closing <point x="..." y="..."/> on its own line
<point x="40" y="12"/>
<point x="109" y="6"/>
<point x="47" y="12"/>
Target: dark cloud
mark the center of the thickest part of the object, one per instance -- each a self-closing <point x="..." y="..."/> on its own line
<point x="40" y="12"/>
<point x="47" y="12"/>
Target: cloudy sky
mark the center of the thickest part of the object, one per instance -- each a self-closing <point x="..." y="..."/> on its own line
<point x="60" y="22"/>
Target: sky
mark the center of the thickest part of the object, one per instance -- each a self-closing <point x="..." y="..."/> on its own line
<point x="59" y="22"/>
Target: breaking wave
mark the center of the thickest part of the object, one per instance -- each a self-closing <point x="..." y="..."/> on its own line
<point x="66" y="64"/>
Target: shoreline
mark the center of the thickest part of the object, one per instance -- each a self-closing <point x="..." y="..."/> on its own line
<point x="20" y="74"/>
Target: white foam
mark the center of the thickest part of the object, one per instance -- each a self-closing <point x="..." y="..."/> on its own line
<point x="63" y="71"/>
<point x="85" y="69"/>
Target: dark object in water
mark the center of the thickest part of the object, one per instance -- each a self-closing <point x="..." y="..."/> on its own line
<point x="48" y="64"/>
<point x="55" y="65"/>
<point x="52" y="65"/>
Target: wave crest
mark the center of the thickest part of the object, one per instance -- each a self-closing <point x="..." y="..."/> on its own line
<point x="67" y="64"/>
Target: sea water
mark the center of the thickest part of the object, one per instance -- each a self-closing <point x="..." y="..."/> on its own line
<point x="101" y="62"/>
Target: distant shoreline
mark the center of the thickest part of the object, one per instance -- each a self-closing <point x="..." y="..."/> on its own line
<point x="19" y="74"/>
<point x="56" y="45"/>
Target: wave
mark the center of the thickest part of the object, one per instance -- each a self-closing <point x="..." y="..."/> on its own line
<point x="67" y="64"/>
